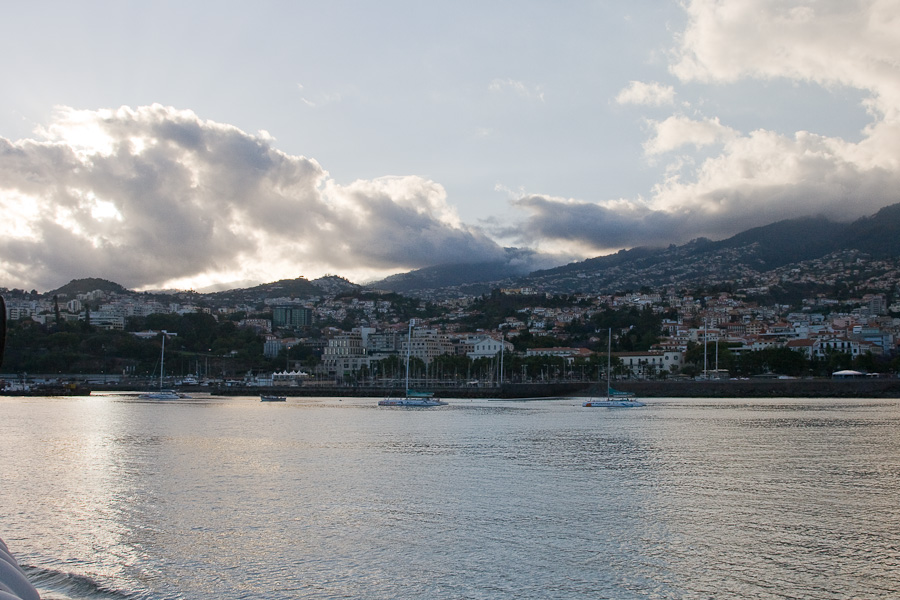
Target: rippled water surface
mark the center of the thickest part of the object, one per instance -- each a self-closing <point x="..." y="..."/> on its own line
<point x="112" y="497"/>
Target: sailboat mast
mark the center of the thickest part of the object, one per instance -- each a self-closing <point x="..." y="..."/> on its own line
<point x="162" y="358"/>
<point x="608" y="361"/>
<point x="408" y="346"/>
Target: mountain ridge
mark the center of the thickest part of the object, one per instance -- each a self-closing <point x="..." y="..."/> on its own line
<point x="744" y="259"/>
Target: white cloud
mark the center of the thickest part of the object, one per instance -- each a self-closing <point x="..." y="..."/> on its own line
<point x="531" y="92"/>
<point x="678" y="131"/>
<point x="742" y="180"/>
<point x="757" y="179"/>
<point x="753" y="183"/>
<point x="851" y="43"/>
<point x="648" y="94"/>
<point x="734" y="180"/>
<point x="151" y="195"/>
<point x="831" y="42"/>
<point x="764" y="177"/>
<point x="321" y="99"/>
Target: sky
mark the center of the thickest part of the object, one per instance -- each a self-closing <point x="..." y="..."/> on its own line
<point x="195" y="144"/>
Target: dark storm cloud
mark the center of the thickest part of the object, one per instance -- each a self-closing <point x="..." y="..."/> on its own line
<point x="593" y="225"/>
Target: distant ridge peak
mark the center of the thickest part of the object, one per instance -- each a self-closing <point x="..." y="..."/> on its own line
<point x="87" y="285"/>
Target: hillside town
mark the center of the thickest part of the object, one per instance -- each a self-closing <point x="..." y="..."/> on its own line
<point x="353" y="333"/>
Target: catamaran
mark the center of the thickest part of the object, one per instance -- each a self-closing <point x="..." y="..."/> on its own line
<point x="614" y="398"/>
<point x="413" y="397"/>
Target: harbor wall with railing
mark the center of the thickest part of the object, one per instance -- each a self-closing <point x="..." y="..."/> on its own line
<point x="870" y="387"/>
<point x="511" y="391"/>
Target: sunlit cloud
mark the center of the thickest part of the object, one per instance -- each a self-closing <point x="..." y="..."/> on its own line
<point x="678" y="131"/>
<point x="851" y="43"/>
<point x="649" y="94"/>
<point x="718" y="180"/>
<point x="152" y="195"/>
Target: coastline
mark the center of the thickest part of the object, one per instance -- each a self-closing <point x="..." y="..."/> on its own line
<point x="874" y="387"/>
<point x="758" y="388"/>
<point x="766" y="388"/>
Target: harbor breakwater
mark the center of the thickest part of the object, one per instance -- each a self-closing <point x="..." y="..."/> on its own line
<point x="507" y="391"/>
<point x="745" y="388"/>
<point x="867" y="387"/>
<point x="875" y="387"/>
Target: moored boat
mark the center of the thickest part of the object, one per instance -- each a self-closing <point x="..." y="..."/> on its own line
<point x="162" y="394"/>
<point x="614" y="398"/>
<point x="413" y="397"/>
<point x="610" y="403"/>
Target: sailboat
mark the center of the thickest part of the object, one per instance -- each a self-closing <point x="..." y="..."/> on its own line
<point x="412" y="398"/>
<point x="614" y="398"/>
<point x="162" y="394"/>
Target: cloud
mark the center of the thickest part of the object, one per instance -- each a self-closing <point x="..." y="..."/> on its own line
<point x="648" y="94"/>
<point x="756" y="180"/>
<point x="852" y="43"/>
<point x="584" y="227"/>
<point x="153" y="195"/>
<point x="321" y="100"/>
<point x="530" y="92"/>
<point x="407" y="221"/>
<point x="720" y="181"/>
<point x="829" y="42"/>
<point x="678" y="131"/>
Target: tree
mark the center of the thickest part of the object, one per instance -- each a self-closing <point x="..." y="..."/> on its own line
<point x="451" y="366"/>
<point x="781" y="361"/>
<point x="727" y="359"/>
<point x="391" y="367"/>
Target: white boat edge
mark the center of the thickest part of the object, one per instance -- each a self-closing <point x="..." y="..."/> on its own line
<point x="612" y="403"/>
<point x="271" y="398"/>
<point x="411" y="402"/>
<point x="163" y="395"/>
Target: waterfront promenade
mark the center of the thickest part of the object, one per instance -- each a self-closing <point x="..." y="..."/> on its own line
<point x="732" y="388"/>
<point x="869" y="387"/>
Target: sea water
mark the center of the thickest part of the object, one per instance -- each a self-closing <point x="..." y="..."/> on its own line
<point x="109" y="496"/>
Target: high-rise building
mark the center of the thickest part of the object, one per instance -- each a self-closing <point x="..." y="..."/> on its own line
<point x="291" y="316"/>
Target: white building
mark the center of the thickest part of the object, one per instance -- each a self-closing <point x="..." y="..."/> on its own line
<point x="426" y="344"/>
<point x="488" y="347"/>
<point x="824" y="345"/>
<point x="569" y="353"/>
<point x="344" y="355"/>
<point x="108" y="320"/>
<point x="646" y="364"/>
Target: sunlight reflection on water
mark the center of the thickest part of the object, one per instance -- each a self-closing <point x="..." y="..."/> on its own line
<point x="327" y="498"/>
